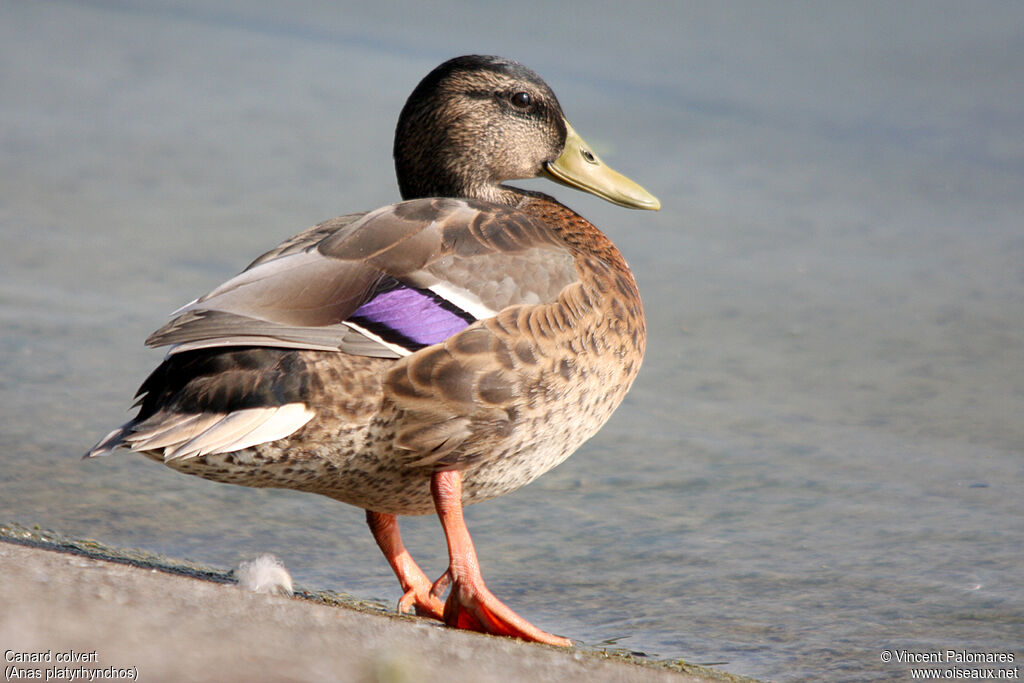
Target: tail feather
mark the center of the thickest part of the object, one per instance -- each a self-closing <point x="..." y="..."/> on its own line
<point x="109" y="443"/>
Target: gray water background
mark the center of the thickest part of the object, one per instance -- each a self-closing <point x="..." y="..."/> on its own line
<point x="822" y="457"/>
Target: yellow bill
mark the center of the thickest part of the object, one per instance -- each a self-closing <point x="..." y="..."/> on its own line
<point x="580" y="168"/>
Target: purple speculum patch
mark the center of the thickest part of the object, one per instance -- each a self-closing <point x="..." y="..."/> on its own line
<point x="410" y="317"/>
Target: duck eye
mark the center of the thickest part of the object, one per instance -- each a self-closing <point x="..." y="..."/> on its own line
<point x="520" y="99"/>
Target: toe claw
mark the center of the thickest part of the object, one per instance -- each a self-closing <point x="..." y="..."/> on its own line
<point x="423" y="605"/>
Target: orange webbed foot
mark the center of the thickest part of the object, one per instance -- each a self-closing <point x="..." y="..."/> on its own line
<point x="470" y="604"/>
<point x="419" y="595"/>
<point x="473" y="607"/>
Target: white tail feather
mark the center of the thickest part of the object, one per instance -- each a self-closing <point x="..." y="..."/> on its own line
<point x="229" y="428"/>
<point x="287" y="420"/>
<point x="188" y="436"/>
<point x="168" y="431"/>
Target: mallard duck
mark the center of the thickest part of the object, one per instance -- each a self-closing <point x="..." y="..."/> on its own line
<point x="424" y="356"/>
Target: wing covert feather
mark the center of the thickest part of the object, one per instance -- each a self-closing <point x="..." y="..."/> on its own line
<point x="472" y="258"/>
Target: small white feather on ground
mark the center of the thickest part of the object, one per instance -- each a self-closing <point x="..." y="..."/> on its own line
<point x="265" y="574"/>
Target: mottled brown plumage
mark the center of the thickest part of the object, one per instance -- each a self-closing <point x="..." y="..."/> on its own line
<point x="432" y="353"/>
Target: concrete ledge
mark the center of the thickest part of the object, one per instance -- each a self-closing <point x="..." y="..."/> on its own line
<point x="134" y="616"/>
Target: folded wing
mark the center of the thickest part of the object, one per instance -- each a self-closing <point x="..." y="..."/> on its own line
<point x="386" y="283"/>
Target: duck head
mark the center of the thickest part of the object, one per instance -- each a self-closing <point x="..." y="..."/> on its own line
<point x="476" y="121"/>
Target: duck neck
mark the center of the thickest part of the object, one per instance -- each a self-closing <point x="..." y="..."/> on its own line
<point x="438" y="185"/>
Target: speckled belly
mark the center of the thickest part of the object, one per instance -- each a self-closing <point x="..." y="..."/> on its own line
<point x="356" y="467"/>
<point x="359" y="465"/>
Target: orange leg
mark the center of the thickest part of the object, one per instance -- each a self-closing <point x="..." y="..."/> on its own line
<point x="414" y="582"/>
<point x="471" y="605"/>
